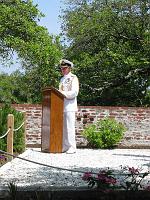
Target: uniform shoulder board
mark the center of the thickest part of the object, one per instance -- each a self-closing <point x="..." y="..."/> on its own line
<point x="73" y="75"/>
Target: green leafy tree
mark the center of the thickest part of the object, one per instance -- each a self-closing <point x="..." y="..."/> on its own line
<point x="6" y="88"/>
<point x="37" y="51"/>
<point x="110" y="43"/>
<point x="13" y="88"/>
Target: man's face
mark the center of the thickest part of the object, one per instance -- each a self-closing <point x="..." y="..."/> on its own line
<point x="65" y="69"/>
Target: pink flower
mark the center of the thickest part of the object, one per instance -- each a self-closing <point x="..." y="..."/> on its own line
<point x="111" y="180"/>
<point x="101" y="176"/>
<point x="133" y="170"/>
<point x="147" y="188"/>
<point x="86" y="176"/>
<point x="105" y="178"/>
<point x="2" y="157"/>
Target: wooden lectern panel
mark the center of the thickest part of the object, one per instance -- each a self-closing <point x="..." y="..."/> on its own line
<point x="45" y="136"/>
<point x="52" y="120"/>
<point x="56" y="128"/>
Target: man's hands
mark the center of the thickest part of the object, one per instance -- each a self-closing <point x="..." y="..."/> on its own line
<point x="63" y="92"/>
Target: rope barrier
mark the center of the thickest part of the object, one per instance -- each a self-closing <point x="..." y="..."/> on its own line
<point x="45" y="165"/>
<point x="13" y="130"/>
<point x="60" y="168"/>
<point x="19" y="127"/>
<point x="147" y="130"/>
<point x="5" y="134"/>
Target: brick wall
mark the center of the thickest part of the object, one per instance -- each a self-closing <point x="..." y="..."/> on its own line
<point x="136" y="119"/>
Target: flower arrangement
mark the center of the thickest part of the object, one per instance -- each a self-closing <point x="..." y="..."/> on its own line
<point x="106" y="180"/>
<point x="133" y="179"/>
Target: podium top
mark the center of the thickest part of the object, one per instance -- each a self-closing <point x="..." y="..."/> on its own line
<point x="56" y="91"/>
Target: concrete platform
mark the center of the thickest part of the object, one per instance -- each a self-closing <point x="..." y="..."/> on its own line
<point x="32" y="176"/>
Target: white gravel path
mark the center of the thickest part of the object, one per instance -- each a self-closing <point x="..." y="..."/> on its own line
<point x="28" y="175"/>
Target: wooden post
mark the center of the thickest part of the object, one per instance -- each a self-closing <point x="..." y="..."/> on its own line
<point x="24" y="119"/>
<point x="10" y="125"/>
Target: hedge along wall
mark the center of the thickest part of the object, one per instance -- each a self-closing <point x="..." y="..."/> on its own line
<point x="136" y="119"/>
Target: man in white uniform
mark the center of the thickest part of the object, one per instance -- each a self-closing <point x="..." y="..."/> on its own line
<point x="69" y="86"/>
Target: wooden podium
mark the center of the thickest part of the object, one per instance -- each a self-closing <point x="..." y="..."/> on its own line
<point x="52" y="121"/>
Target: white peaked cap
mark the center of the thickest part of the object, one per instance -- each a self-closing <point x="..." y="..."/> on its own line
<point x="64" y="61"/>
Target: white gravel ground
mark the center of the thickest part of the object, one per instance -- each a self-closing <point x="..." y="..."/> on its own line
<point x="29" y="175"/>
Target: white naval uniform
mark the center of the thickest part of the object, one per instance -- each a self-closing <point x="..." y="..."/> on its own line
<point x="69" y="86"/>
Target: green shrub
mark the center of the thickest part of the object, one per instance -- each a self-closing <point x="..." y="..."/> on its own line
<point x="19" y="143"/>
<point x="105" y="133"/>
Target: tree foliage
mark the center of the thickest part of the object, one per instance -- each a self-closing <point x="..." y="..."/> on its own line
<point x="14" y="88"/>
<point x="37" y="50"/>
<point x="110" y="43"/>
